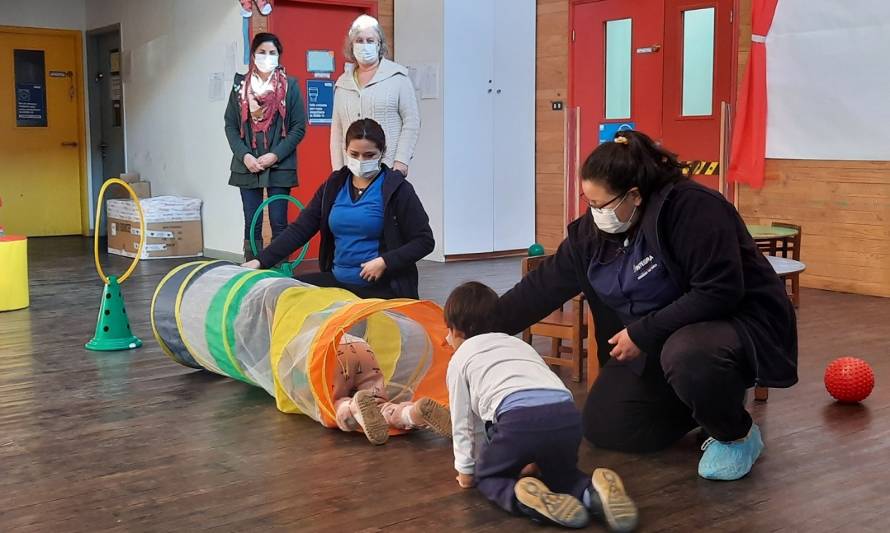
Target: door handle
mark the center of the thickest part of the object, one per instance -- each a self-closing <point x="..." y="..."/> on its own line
<point x="70" y="144"/>
<point x="649" y="49"/>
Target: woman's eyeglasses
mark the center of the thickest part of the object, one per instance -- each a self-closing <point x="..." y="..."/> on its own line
<point x="607" y="204"/>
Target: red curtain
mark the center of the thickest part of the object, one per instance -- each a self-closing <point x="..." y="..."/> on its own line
<point x="748" y="150"/>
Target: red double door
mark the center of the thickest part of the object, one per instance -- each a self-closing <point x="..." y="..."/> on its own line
<point x="661" y="66"/>
<point x="314" y="26"/>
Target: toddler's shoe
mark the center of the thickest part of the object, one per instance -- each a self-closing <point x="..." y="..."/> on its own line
<point x="610" y="501"/>
<point x="432" y="415"/>
<point x="366" y="411"/>
<point x="537" y="501"/>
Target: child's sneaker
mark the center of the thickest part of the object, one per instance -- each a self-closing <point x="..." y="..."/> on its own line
<point x="540" y="503"/>
<point x="610" y="500"/>
<point x="728" y="461"/>
<point x="433" y="415"/>
<point x="246" y="8"/>
<point x="367" y="414"/>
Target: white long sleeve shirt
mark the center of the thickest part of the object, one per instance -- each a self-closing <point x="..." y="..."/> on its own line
<point x="483" y="371"/>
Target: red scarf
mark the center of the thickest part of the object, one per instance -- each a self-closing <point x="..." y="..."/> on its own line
<point x="272" y="103"/>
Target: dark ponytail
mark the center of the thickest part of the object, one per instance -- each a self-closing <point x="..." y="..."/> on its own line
<point x="632" y="160"/>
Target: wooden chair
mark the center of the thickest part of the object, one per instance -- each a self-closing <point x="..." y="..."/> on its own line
<point x="566" y="324"/>
<point x="789" y="248"/>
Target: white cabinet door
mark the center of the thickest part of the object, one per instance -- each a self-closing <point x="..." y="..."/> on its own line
<point x="514" y="124"/>
<point x="468" y="88"/>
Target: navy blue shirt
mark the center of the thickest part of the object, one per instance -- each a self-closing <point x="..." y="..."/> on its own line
<point x="357" y="227"/>
<point x="632" y="280"/>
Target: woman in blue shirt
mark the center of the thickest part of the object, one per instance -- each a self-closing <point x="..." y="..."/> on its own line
<point x="373" y="227"/>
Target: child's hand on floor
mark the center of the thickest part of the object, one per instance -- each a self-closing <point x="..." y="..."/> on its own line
<point x="465" y="481"/>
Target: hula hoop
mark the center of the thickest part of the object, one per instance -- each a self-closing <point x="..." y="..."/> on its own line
<point x="132" y="193"/>
<point x="285" y="268"/>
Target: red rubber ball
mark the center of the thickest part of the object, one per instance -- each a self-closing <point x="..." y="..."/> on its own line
<point x="849" y="379"/>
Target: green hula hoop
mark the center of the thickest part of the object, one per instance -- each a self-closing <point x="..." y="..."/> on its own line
<point x="285" y="268"/>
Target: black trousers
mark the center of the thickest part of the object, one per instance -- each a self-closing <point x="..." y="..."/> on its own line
<point x="547" y="435"/>
<point x="381" y="289"/>
<point x="699" y="379"/>
<point x="251" y="200"/>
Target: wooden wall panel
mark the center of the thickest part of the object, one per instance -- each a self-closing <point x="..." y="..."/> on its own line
<point x="743" y="18"/>
<point x="843" y="208"/>
<point x="385" y="16"/>
<point x="552" y="79"/>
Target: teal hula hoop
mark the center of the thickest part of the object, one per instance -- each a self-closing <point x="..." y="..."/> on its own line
<point x="286" y="268"/>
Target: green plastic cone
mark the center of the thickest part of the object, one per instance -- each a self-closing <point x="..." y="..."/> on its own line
<point x="113" y="327"/>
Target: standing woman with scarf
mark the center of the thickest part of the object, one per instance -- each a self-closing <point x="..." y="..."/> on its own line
<point x="374" y="87"/>
<point x="265" y="120"/>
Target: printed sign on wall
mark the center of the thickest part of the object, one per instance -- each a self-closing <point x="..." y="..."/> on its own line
<point x="609" y="129"/>
<point x="30" y="89"/>
<point x="320" y="98"/>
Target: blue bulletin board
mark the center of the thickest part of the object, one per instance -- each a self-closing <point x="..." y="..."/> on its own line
<point x="320" y="102"/>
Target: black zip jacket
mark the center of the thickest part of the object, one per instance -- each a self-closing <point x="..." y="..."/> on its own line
<point x="708" y="253"/>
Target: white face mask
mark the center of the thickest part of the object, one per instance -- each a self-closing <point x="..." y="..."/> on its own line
<point x="265" y="63"/>
<point x="607" y="221"/>
<point x="366" y="53"/>
<point x="363" y="169"/>
<point x="449" y="339"/>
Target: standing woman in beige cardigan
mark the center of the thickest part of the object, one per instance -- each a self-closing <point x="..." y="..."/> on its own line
<point x="377" y="88"/>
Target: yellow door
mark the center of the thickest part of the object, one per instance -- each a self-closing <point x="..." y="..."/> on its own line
<point x="41" y="146"/>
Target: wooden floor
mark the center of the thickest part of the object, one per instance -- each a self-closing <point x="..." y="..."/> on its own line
<point x="130" y="441"/>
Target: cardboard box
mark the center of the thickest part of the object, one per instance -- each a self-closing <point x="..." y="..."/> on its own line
<point x="173" y="227"/>
<point x="141" y="188"/>
<point x="130" y="177"/>
<point x="163" y="240"/>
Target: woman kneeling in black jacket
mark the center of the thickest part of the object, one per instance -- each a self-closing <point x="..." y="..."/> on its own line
<point x="688" y="312"/>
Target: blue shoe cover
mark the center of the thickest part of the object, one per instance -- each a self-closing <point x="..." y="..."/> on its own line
<point x="728" y="461"/>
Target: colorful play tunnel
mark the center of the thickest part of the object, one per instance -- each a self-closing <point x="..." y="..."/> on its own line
<point x="277" y="333"/>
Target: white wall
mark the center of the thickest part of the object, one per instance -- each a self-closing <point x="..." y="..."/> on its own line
<point x="828" y="79"/>
<point x="421" y="20"/>
<point x="57" y="14"/>
<point x="174" y="133"/>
